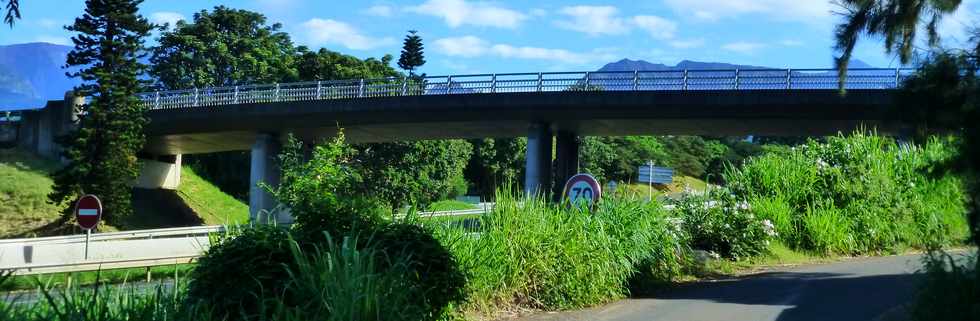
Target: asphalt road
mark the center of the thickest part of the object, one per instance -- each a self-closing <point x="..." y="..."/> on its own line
<point x="859" y="289"/>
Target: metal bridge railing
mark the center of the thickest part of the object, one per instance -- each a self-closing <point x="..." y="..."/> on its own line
<point x="672" y="80"/>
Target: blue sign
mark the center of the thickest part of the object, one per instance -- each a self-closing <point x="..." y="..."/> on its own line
<point x="656" y="175"/>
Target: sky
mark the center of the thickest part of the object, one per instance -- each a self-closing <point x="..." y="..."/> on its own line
<point x="467" y="37"/>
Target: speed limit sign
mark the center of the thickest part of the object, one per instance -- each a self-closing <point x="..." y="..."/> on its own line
<point x="582" y="191"/>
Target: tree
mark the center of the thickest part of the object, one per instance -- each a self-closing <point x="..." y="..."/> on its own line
<point x="412" y="53"/>
<point x="102" y="151"/>
<point x="416" y="173"/>
<point x="328" y="65"/>
<point x="13" y="12"/>
<point x="224" y="47"/>
<point x="897" y="21"/>
<point x="496" y="163"/>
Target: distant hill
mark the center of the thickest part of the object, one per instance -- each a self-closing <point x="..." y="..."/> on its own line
<point x="31" y="74"/>
<point x="641" y="65"/>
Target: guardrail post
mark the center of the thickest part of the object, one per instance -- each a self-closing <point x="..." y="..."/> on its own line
<point x="636" y="79"/>
<point x="588" y="81"/>
<point x="156" y="100"/>
<point x="319" y="88"/>
<point x="897" y="75"/>
<point x="195" y="97"/>
<point x="685" y="79"/>
<point x="449" y="85"/>
<point x="360" y="88"/>
<point x="236" y="94"/>
<point x="789" y="78"/>
<point x="493" y="83"/>
<point x="736" y="78"/>
<point x="405" y="86"/>
<point x="539" y="82"/>
<point x="277" y="92"/>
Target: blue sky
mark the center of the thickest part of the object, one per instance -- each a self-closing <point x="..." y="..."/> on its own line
<point x="463" y="36"/>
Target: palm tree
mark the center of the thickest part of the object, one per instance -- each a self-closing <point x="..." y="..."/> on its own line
<point x="13" y="12"/>
<point x="897" y="21"/>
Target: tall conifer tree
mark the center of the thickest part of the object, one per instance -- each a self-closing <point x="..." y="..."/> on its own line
<point x="102" y="151"/>
<point x="413" y="55"/>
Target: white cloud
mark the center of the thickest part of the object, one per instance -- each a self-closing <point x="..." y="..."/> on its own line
<point x="459" y="12"/>
<point x="470" y="46"/>
<point x="163" y="17"/>
<point x="466" y="46"/>
<point x="810" y="11"/>
<point x="378" y="11"/>
<point x="743" y="47"/>
<point x="687" y="44"/>
<point x="320" y="32"/>
<point x="593" y="20"/>
<point x="657" y="27"/>
<point x="54" y="39"/>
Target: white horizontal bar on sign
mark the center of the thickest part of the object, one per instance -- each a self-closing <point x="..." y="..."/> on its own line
<point x="88" y="212"/>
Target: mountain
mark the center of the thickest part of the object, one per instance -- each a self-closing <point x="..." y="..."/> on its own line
<point x="641" y="65"/>
<point x="31" y="74"/>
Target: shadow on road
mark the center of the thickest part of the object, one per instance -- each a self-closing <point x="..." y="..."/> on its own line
<point x="808" y="296"/>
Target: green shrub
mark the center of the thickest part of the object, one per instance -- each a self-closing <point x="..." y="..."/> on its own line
<point x="234" y="274"/>
<point x="717" y="221"/>
<point x="880" y="196"/>
<point x="826" y="230"/>
<point x="535" y="254"/>
<point x="950" y="291"/>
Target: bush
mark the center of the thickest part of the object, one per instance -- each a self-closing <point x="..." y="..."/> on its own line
<point x="236" y="273"/>
<point x="857" y="194"/>
<point x="535" y="254"/>
<point x="717" y="221"/>
<point x="433" y="277"/>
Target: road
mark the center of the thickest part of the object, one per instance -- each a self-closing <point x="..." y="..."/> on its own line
<point x="858" y="289"/>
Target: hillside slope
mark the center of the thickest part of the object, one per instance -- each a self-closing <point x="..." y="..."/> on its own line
<point x="24" y="210"/>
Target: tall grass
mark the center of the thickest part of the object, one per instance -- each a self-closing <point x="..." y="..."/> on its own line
<point x="533" y="254"/>
<point x="857" y="194"/>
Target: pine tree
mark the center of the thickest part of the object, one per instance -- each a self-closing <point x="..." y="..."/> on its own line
<point x="13" y="12"/>
<point x="412" y="55"/>
<point x="102" y="151"/>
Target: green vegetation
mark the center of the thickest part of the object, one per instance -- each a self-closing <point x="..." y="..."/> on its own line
<point x="412" y="55"/>
<point x="115" y="276"/>
<point x="856" y="194"/>
<point x="25" y="210"/>
<point x="450" y="205"/>
<point x="101" y="153"/>
<point x="617" y="158"/>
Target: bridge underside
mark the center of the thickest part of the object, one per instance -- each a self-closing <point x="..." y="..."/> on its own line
<point x="758" y="112"/>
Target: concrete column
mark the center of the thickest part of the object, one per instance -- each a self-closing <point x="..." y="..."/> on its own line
<point x="537" y="174"/>
<point x="265" y="169"/>
<point x="161" y="172"/>
<point x="566" y="160"/>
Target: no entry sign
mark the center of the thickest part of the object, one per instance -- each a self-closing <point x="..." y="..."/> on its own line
<point x="88" y="212"/>
<point x="582" y="190"/>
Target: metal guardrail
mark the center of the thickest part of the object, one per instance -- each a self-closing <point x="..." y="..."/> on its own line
<point x="115" y="250"/>
<point x="668" y="80"/>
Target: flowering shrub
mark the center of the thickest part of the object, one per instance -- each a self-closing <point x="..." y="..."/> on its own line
<point x="719" y="222"/>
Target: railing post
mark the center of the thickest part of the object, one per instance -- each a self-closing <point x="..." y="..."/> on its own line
<point x="449" y="85"/>
<point x="897" y="76"/>
<point x="636" y="79"/>
<point x="736" y="78"/>
<point x="685" y="79"/>
<point x="789" y="78"/>
<point x="588" y="81"/>
<point x="319" y="89"/>
<point x="156" y="100"/>
<point x="405" y="86"/>
<point x="493" y="83"/>
<point x="360" y="88"/>
<point x="195" y="97"/>
<point x="539" y="82"/>
<point x="277" y="92"/>
<point x="236" y="94"/>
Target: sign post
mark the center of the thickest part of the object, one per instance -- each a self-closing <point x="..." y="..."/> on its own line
<point x="650" y="182"/>
<point x="88" y="212"/>
<point x="583" y="189"/>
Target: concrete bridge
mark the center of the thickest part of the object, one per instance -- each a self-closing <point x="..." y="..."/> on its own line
<point x="545" y="107"/>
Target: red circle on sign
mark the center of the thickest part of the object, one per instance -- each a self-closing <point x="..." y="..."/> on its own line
<point x="88" y="212"/>
<point x="584" y="187"/>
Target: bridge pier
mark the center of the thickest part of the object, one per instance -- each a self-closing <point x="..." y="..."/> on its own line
<point x="566" y="160"/>
<point x="537" y="173"/>
<point x="265" y="169"/>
